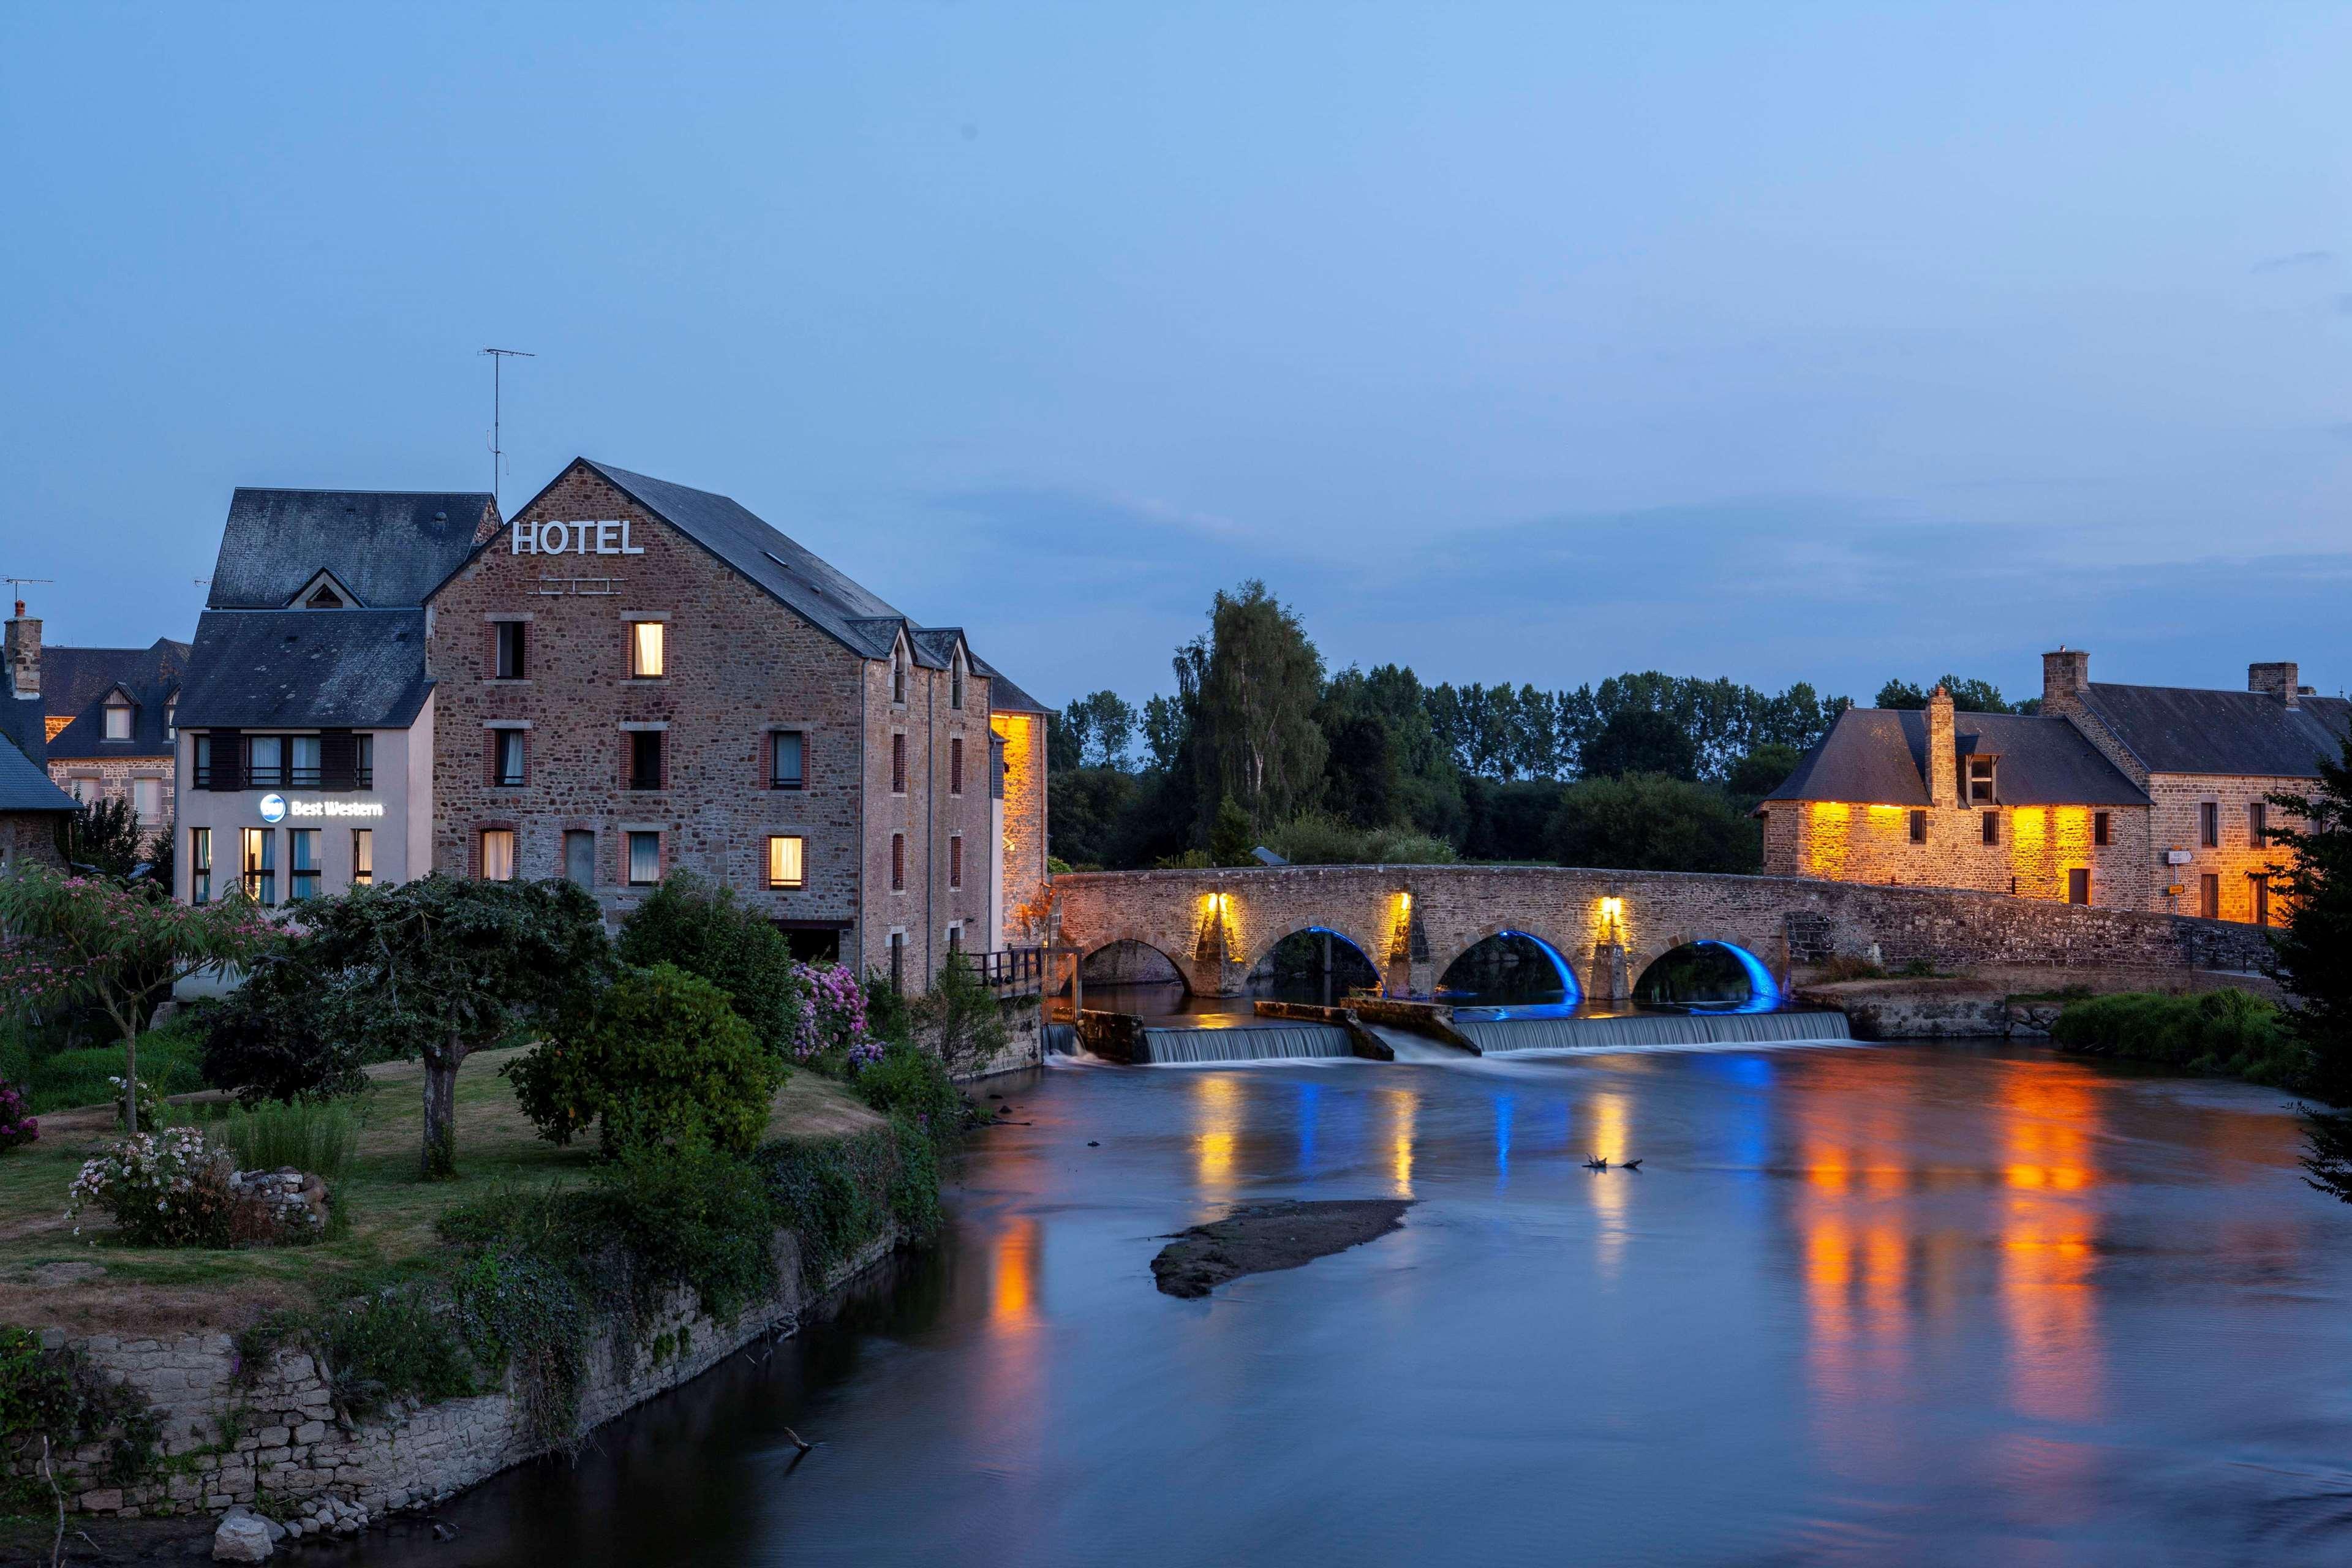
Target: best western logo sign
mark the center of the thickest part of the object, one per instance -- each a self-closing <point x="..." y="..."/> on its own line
<point x="278" y="807"/>
<point x="608" y="538"/>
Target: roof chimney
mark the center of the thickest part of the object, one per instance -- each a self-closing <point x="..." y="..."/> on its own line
<point x="2274" y="680"/>
<point x="24" y="653"/>
<point x="2065" y="679"/>
<point x="1943" y="751"/>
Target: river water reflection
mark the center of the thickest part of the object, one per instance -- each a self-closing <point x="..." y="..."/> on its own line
<point x="1888" y="1304"/>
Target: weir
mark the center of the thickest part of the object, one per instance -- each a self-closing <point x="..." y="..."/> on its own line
<point x="1263" y="1043"/>
<point x="1496" y="1037"/>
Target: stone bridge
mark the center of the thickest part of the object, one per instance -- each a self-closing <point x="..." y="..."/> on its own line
<point x="1413" y="921"/>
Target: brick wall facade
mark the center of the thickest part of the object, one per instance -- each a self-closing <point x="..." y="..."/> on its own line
<point x="93" y="779"/>
<point x="737" y="667"/>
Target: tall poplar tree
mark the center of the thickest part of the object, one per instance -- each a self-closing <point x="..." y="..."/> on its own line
<point x="1254" y="736"/>
<point x="2313" y="960"/>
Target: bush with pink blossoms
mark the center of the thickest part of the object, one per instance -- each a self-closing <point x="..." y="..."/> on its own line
<point x="16" y="1127"/>
<point x="831" y="1022"/>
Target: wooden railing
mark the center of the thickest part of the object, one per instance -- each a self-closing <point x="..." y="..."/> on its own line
<point x="1010" y="971"/>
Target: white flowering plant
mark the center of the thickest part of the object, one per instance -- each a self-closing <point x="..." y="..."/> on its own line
<point x="161" y="1189"/>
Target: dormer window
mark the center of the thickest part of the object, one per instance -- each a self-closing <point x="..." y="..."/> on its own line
<point x="898" y="673"/>
<point x="955" y="682"/>
<point x="172" y="720"/>
<point x="1981" y="791"/>
<point x="324" y="598"/>
<point x="322" y="592"/>
<point x="117" y="720"/>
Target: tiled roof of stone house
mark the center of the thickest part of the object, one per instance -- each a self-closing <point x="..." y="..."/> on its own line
<point x="301" y="669"/>
<point x="1878" y="756"/>
<point x="835" y="603"/>
<point x="77" y="681"/>
<point x="388" y="548"/>
<point x="24" y="786"/>
<point x="2187" y="730"/>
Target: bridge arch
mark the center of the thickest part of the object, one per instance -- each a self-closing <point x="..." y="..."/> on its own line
<point x="1708" y="974"/>
<point x="1561" y="966"/>
<point x="1352" y="964"/>
<point x="1132" y="958"/>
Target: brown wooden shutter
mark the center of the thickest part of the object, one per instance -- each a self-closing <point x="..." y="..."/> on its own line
<point x="339" y="760"/>
<point x="526" y="755"/>
<point x="228" y="760"/>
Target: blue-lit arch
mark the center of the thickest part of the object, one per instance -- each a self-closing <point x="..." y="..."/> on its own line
<point x="1763" y="991"/>
<point x="1570" y="991"/>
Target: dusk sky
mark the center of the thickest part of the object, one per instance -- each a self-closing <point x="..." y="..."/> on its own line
<point x="1516" y="343"/>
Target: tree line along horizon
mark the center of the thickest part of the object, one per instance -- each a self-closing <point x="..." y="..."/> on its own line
<point x="1260" y="744"/>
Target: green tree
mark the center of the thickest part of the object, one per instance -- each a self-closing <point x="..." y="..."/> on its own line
<point x="2312" y="959"/>
<point x="1253" y="732"/>
<point x="1103" y="725"/>
<point x="658" y="1059"/>
<point x="1649" y="822"/>
<point x="1763" y="770"/>
<point x="1231" y="836"/>
<point x="1640" y="741"/>
<point x="104" y="836"/>
<point x="959" y="1019"/>
<point x="91" y="939"/>
<point x="1362" y="783"/>
<point x="443" y="966"/>
<point x="703" y="929"/>
<point x="1968" y="696"/>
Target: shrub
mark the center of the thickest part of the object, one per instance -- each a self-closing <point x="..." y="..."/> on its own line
<point x="400" y="1341"/>
<point x="910" y="1082"/>
<point x="168" y="1189"/>
<point x="831" y="1023"/>
<point x="1849" y="966"/>
<point x="835" y="1194"/>
<point x="1313" y="838"/>
<point x="18" y="1126"/>
<point x="658" y="1057"/>
<point x="266" y="1041"/>
<point x="704" y="931"/>
<point x="889" y="1015"/>
<point x="2231" y="1032"/>
<point x="306" y="1134"/>
<point x="691" y="1218"/>
<point x="958" y="1019"/>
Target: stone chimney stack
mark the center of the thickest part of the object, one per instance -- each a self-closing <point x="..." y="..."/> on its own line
<point x="1943" y="752"/>
<point x="24" y="653"/>
<point x="2065" y="680"/>
<point x="2277" y="681"/>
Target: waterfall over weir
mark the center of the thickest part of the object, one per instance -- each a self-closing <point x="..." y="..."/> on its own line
<point x="1258" y="1043"/>
<point x="1497" y="1037"/>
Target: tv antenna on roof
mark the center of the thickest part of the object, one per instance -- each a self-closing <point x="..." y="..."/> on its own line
<point x="16" y="583"/>
<point x="498" y="358"/>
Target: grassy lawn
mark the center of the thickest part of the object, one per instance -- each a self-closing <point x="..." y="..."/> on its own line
<point x="87" y="1284"/>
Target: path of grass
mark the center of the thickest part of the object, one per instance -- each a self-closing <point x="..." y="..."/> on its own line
<point x="86" y="1284"/>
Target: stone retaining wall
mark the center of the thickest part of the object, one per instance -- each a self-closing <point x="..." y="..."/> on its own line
<point x="273" y="1438"/>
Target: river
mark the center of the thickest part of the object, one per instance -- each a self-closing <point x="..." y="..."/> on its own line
<point x="1962" y="1304"/>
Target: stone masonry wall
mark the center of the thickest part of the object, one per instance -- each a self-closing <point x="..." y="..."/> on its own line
<point x="93" y="779"/>
<point x="2036" y="848"/>
<point x="273" y="1440"/>
<point x="2236" y="860"/>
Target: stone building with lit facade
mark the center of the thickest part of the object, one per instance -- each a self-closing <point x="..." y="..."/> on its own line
<point x="633" y="677"/>
<point x="2142" y="797"/>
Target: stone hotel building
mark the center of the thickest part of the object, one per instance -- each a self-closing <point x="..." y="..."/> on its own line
<point x="627" y="677"/>
<point x="2144" y="797"/>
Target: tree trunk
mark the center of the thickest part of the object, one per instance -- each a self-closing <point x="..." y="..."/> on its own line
<point x="131" y="1078"/>
<point x="440" y="1161"/>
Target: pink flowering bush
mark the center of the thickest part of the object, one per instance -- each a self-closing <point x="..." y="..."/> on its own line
<point x="15" y="1127"/>
<point x="168" y="1189"/>
<point x="830" y="1020"/>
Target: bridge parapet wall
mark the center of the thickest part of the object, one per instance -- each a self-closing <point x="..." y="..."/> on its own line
<point x="1413" y="921"/>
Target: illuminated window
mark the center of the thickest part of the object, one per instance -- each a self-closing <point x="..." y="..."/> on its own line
<point x="258" y="865"/>
<point x="784" y="861"/>
<point x="2208" y="824"/>
<point x="362" y="857"/>
<point x="2101" y="827"/>
<point x="117" y="720"/>
<point x="645" y="650"/>
<point x="898" y="862"/>
<point x="302" y="864"/>
<point x="1992" y="827"/>
<point x="1918" y="828"/>
<point x="498" y="854"/>
<point x="644" y="859"/>
<point x="200" y="865"/>
<point x="787" y="760"/>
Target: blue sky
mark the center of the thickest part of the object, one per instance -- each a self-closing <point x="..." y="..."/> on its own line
<point x="1528" y="343"/>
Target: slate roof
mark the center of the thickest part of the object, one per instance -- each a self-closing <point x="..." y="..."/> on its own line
<point x="1878" y="756"/>
<point x="306" y="669"/>
<point x="844" y="609"/>
<point x="20" y="721"/>
<point x="2184" y="730"/>
<point x="23" y="785"/>
<point x="389" y="547"/>
<point x="75" y="682"/>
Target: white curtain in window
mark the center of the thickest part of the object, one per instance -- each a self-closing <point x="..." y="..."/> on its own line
<point x="499" y="855"/>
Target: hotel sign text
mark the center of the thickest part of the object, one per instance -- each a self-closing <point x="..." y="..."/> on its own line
<point x="278" y="807"/>
<point x="605" y="538"/>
